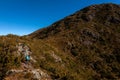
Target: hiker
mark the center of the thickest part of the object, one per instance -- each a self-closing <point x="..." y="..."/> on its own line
<point x="27" y="57"/>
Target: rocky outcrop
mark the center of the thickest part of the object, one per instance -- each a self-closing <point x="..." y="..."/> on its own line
<point x="35" y="74"/>
<point x="24" y="50"/>
<point x="26" y="67"/>
<point x="56" y="58"/>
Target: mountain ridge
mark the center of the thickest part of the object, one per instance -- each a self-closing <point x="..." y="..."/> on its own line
<point x="91" y="36"/>
<point x="85" y="14"/>
<point x="82" y="46"/>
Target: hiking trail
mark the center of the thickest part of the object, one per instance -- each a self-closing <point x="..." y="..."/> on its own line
<point x="26" y="67"/>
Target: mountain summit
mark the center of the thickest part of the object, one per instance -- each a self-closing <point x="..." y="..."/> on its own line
<point x="103" y="14"/>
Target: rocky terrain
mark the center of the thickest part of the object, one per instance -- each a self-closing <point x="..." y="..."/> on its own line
<point x="82" y="46"/>
<point x="91" y="37"/>
<point x="26" y="67"/>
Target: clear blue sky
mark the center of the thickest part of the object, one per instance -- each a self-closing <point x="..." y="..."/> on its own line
<point x="22" y="17"/>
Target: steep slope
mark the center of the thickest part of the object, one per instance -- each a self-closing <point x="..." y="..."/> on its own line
<point x="91" y="37"/>
<point x="104" y="14"/>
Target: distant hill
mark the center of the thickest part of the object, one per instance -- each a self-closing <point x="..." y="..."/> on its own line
<point x="92" y="36"/>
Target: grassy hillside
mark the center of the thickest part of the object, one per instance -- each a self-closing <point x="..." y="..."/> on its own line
<point x="50" y="59"/>
<point x="82" y="46"/>
<point x="91" y="38"/>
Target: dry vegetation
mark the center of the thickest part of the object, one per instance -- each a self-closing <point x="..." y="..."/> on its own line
<point x="83" y="46"/>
